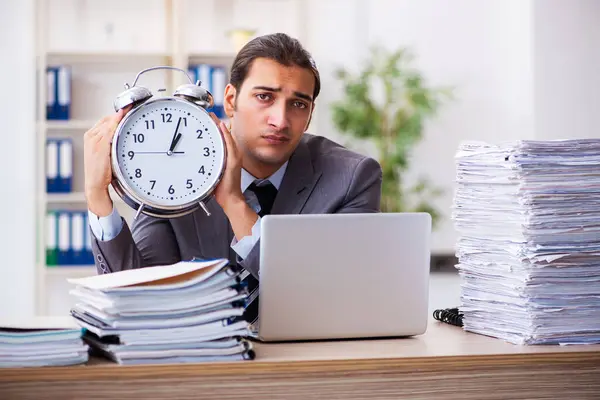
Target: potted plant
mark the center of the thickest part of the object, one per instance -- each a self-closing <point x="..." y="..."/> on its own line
<point x="393" y="118"/>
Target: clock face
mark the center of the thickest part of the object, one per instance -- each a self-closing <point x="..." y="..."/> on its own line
<point x="169" y="153"/>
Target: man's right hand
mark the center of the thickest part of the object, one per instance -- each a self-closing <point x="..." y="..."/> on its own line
<point x="97" y="163"/>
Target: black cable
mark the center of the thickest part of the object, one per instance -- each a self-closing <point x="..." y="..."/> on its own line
<point x="450" y="316"/>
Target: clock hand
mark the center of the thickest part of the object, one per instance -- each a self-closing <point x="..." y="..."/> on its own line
<point x="174" y="139"/>
<point x="159" y="152"/>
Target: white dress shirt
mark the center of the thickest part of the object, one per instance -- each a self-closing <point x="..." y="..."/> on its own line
<point x="107" y="228"/>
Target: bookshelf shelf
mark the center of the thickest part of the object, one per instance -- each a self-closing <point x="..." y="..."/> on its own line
<point x="82" y="125"/>
<point x="216" y="56"/>
<point x="76" y="57"/>
<point x="70" y="271"/>
<point x="75" y="197"/>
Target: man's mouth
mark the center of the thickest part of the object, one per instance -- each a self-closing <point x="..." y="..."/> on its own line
<point x="276" y="139"/>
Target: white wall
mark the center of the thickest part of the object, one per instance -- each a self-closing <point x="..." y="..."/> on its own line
<point x="332" y="45"/>
<point x="522" y="69"/>
<point x="483" y="48"/>
<point x="17" y="162"/>
<point x="567" y="66"/>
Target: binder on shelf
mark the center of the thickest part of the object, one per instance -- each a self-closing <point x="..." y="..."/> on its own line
<point x="64" y="92"/>
<point x="58" y="101"/>
<point x="59" y="165"/>
<point x="65" y="166"/>
<point x="219" y="81"/>
<point x="202" y="72"/>
<point x="77" y="239"/>
<point x="51" y="166"/>
<point x="51" y="239"/>
<point x="214" y="79"/>
<point x="64" y="238"/>
<point x="50" y="93"/>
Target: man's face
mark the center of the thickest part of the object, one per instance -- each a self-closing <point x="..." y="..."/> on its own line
<point x="271" y="111"/>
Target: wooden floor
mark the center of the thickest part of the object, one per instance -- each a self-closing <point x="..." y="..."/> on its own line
<point x="445" y="363"/>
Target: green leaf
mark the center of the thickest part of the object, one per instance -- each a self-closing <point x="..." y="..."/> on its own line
<point x="395" y="126"/>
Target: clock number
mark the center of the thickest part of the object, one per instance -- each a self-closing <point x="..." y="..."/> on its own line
<point x="138" y="173"/>
<point x="201" y="171"/>
<point x="184" y="121"/>
<point x="199" y="132"/>
<point x="131" y="154"/>
<point x="167" y="117"/>
<point x="139" y="138"/>
<point x="149" y="124"/>
<point x="153" y="183"/>
<point x="206" y="152"/>
<point x="189" y="184"/>
<point x="171" y="190"/>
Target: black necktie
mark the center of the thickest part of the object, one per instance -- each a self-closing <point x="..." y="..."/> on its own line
<point x="265" y="193"/>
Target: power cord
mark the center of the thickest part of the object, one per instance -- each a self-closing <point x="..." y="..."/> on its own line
<point x="450" y="316"/>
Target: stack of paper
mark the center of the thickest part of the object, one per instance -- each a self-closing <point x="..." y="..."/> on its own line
<point x="41" y="341"/>
<point x="186" y="312"/>
<point x="528" y="219"/>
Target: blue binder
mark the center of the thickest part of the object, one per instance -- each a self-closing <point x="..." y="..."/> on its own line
<point x="78" y="256"/>
<point x="64" y="238"/>
<point x="65" y="165"/>
<point x="219" y="81"/>
<point x="202" y="73"/>
<point x="51" y="93"/>
<point x="52" y="185"/>
<point x="214" y="79"/>
<point x="63" y="93"/>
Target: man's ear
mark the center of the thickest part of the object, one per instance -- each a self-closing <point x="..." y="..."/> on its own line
<point x="229" y="100"/>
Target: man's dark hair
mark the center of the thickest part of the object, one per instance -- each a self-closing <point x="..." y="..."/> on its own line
<point x="278" y="47"/>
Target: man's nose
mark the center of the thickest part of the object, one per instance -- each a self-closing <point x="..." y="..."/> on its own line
<point x="278" y="116"/>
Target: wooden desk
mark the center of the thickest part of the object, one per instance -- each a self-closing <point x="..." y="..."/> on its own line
<point x="445" y="363"/>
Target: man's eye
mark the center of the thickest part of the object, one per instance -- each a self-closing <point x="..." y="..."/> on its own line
<point x="263" y="96"/>
<point x="300" y="104"/>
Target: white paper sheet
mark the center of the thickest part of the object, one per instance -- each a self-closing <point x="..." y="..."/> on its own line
<point x="151" y="275"/>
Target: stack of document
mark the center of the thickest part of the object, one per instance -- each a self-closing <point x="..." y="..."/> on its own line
<point x="41" y="341"/>
<point x="186" y="312"/>
<point x="528" y="218"/>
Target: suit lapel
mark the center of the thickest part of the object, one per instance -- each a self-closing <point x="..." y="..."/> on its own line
<point x="298" y="182"/>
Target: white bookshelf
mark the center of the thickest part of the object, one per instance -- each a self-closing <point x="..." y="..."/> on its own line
<point x="72" y="271"/>
<point x="75" y="197"/>
<point x="85" y="57"/>
<point x="105" y="49"/>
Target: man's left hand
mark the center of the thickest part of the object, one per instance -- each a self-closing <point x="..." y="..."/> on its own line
<point x="228" y="192"/>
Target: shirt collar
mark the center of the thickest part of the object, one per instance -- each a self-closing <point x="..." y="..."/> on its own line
<point x="275" y="179"/>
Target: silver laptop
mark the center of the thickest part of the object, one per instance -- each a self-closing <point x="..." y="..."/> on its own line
<point x="341" y="276"/>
